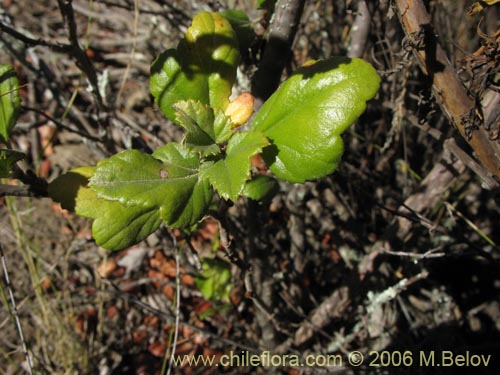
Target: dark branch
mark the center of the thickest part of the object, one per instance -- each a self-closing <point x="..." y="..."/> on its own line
<point x="33" y="42"/>
<point x="278" y="48"/>
<point x="21" y="191"/>
<point x="61" y="125"/>
<point x="82" y="60"/>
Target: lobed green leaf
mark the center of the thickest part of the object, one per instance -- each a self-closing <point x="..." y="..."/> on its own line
<point x="166" y="181"/>
<point x="205" y="127"/>
<point x="228" y="174"/>
<point x="131" y="193"/>
<point x="203" y="67"/>
<point x="115" y="226"/>
<point x="305" y="117"/>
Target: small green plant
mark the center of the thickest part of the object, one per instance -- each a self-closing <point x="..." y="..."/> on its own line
<point x="214" y="281"/>
<point x="298" y="131"/>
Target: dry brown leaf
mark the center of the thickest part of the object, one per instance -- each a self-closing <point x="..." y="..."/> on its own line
<point x="157" y="348"/>
<point x="106" y="268"/>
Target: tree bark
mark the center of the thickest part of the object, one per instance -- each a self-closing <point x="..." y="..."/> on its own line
<point x="447" y="87"/>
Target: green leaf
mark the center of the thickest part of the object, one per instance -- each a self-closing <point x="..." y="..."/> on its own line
<point x="214" y="281"/>
<point x="262" y="188"/>
<point x="7" y="160"/>
<point x="65" y="188"/>
<point x="203" y="67"/>
<point x="229" y="174"/>
<point x="9" y="101"/>
<point x="167" y="181"/>
<point x="223" y="127"/>
<point x="204" y="127"/>
<point x="115" y="226"/>
<point x="305" y="117"/>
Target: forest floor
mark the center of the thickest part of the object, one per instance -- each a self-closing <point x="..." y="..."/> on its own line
<point x="396" y="255"/>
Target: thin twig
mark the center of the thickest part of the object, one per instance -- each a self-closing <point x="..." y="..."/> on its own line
<point x="177" y="304"/>
<point x="34" y="185"/>
<point x="132" y="51"/>
<point x="193" y="255"/>
<point x="433" y="253"/>
<point x="61" y="125"/>
<point x="14" y="312"/>
<point x="452" y="208"/>
<point x="19" y="191"/>
<point x="82" y="60"/>
<point x="228" y="246"/>
<point x="31" y="41"/>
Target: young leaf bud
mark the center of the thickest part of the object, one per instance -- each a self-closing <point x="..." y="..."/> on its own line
<point x="240" y="109"/>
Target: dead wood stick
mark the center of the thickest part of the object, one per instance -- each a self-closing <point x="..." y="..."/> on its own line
<point x="487" y="181"/>
<point x="430" y="192"/>
<point x="448" y="89"/>
<point x="332" y="307"/>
